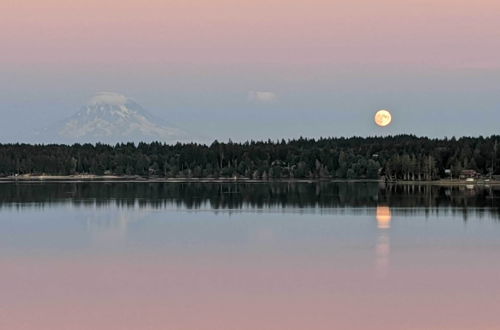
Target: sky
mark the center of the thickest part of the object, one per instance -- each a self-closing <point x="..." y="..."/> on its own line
<point x="254" y="69"/>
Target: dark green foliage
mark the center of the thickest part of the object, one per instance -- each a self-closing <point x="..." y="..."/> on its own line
<point x="402" y="157"/>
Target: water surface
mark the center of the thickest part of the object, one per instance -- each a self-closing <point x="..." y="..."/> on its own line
<point x="248" y="256"/>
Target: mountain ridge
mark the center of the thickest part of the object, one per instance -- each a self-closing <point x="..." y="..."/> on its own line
<point x="112" y="118"/>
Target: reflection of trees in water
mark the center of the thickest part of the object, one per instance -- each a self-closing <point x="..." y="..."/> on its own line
<point x="408" y="199"/>
<point x="434" y="199"/>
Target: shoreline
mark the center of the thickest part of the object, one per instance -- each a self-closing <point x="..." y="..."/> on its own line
<point x="138" y="179"/>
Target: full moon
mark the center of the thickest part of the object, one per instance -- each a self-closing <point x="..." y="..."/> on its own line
<point x="383" y="118"/>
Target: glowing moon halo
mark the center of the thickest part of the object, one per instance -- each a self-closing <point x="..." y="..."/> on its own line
<point x="383" y="118"/>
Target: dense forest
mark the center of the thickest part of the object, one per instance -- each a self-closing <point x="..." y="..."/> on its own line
<point x="402" y="157"/>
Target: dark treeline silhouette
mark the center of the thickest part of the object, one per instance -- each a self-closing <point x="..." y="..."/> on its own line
<point x="402" y="157"/>
<point x="405" y="199"/>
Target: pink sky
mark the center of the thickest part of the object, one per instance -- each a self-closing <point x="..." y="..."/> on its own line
<point x="444" y="33"/>
<point x="330" y="64"/>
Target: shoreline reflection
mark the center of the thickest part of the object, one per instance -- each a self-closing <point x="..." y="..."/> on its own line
<point x="403" y="199"/>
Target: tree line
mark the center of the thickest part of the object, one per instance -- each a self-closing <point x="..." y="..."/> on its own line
<point x="401" y="157"/>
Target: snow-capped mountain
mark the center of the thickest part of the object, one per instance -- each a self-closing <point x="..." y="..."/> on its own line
<point x="111" y="118"/>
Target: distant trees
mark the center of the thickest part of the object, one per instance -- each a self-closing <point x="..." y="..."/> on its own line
<point x="402" y="157"/>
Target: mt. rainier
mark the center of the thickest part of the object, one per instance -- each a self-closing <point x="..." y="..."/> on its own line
<point x="112" y="118"/>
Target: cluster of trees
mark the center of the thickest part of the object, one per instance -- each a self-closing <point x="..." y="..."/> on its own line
<point x="402" y="157"/>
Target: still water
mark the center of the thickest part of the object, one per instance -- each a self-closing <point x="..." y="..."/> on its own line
<point x="248" y="256"/>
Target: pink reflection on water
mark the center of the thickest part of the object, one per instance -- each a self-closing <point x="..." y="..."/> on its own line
<point x="221" y="292"/>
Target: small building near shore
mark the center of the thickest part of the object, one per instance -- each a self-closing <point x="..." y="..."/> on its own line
<point x="469" y="174"/>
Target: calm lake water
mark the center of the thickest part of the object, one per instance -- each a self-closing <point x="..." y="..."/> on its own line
<point x="248" y="256"/>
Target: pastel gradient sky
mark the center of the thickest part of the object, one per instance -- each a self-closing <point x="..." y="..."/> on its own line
<point x="256" y="69"/>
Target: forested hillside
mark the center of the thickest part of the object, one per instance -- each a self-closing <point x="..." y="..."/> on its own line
<point x="403" y="157"/>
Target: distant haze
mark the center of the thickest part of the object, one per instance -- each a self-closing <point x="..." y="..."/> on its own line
<point x="256" y="69"/>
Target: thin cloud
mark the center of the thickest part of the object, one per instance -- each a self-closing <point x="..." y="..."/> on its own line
<point x="108" y="98"/>
<point x="262" y="97"/>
